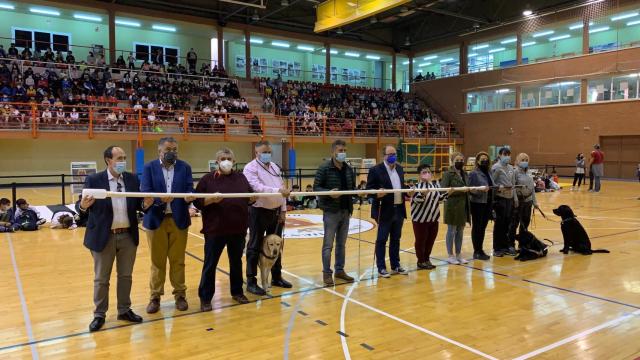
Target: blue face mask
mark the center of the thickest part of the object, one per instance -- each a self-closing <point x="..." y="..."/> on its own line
<point x="341" y="157"/>
<point x="120" y="167"/>
<point x="265" y="158"/>
<point x="524" y="164"/>
<point x="505" y="160"/>
<point x="391" y="159"/>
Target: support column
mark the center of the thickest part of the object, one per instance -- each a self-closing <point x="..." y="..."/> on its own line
<point x="585" y="34"/>
<point x="518" y="95"/>
<point x="393" y="71"/>
<point x="327" y="70"/>
<point x="112" y="37"/>
<point x="464" y="63"/>
<point x="220" y="35"/>
<point x="410" y="70"/>
<point x="247" y="54"/>
<point x="583" y="91"/>
<point x="519" y="49"/>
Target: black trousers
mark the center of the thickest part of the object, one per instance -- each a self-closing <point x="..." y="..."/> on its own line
<point x="520" y="221"/>
<point x="262" y="222"/>
<point x="480" y="215"/>
<point x="503" y="208"/>
<point x="213" y="246"/>
<point x="579" y="178"/>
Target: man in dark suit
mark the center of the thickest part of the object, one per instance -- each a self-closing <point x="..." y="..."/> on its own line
<point x="112" y="234"/>
<point x="167" y="222"/>
<point x="388" y="210"/>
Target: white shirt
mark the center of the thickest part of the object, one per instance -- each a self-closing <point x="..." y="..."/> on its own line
<point x="168" y="179"/>
<point x="120" y="215"/>
<point x="395" y="182"/>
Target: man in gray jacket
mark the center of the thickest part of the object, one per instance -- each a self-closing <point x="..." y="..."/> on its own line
<point x="504" y="176"/>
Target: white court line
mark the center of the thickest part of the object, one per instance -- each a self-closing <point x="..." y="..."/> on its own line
<point x="585" y="333"/>
<point x="23" y="302"/>
<point x="343" y="311"/>
<point x="376" y="310"/>
<point x="402" y="321"/>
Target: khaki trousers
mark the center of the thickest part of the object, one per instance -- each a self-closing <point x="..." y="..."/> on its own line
<point x="167" y="241"/>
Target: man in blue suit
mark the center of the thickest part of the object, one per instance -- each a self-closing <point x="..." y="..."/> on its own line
<point x="167" y="222"/>
<point x="112" y="234"/>
<point x="388" y="210"/>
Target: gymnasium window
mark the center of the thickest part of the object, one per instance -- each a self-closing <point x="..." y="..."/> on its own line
<point x="618" y="29"/>
<point x="41" y="40"/>
<point x="558" y="93"/>
<point x="491" y="100"/>
<point x="143" y="52"/>
<point x="548" y="43"/>
<point x="443" y="63"/>
<point x="619" y="87"/>
<point x="492" y="54"/>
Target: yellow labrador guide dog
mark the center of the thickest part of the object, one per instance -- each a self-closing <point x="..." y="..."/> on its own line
<point x="271" y="249"/>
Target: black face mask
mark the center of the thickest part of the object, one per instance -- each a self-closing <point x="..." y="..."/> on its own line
<point x="484" y="165"/>
<point x="170" y="157"/>
<point x="459" y="165"/>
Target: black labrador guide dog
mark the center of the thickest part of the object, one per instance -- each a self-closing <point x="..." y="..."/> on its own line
<point x="530" y="248"/>
<point x="575" y="236"/>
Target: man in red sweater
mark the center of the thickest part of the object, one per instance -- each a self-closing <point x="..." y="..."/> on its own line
<point x="224" y="223"/>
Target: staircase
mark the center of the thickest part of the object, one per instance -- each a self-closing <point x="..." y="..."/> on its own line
<point x="273" y="125"/>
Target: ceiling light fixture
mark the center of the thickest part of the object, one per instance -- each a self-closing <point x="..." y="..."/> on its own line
<point x="496" y="50"/>
<point x="527" y="12"/>
<point x="625" y="16"/>
<point x="424" y="64"/>
<point x="595" y="30"/>
<point x="280" y="44"/>
<point x="305" y="48"/>
<point x="528" y="43"/>
<point x="559" y="37"/>
<point x="255" y="41"/>
<point x="478" y="47"/>
<point x="430" y="57"/>
<point x="255" y="16"/>
<point x="407" y="41"/>
<point x="87" y="17"/>
<point x="42" y="11"/>
<point x="373" y="57"/>
<point x="508" y="41"/>
<point x="7" y="7"/>
<point x="163" y="28"/>
<point x="544" y="33"/>
<point x="351" y="54"/>
<point x="128" y="23"/>
<point x="447" y="60"/>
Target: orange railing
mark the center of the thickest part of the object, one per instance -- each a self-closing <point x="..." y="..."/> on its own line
<point x="104" y="117"/>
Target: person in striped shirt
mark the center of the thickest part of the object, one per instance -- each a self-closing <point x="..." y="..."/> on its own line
<point x="425" y="212"/>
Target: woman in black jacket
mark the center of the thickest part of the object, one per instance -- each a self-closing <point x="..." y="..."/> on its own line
<point x="481" y="204"/>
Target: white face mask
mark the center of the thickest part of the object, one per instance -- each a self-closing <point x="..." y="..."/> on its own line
<point x="226" y="166"/>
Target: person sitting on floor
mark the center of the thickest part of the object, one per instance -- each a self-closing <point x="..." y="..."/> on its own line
<point x="6" y="217"/>
<point x="28" y="218"/>
<point x="295" y="202"/>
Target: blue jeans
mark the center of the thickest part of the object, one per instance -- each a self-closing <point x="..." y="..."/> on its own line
<point x="389" y="228"/>
<point x="336" y="226"/>
<point x="454" y="234"/>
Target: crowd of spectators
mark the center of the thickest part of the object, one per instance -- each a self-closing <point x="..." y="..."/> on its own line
<point x="344" y="110"/>
<point x="63" y="94"/>
<point x="154" y="62"/>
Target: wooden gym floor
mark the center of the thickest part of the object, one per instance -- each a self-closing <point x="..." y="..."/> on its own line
<point x="559" y="307"/>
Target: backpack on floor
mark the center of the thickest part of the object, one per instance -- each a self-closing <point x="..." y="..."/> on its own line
<point x="28" y="220"/>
